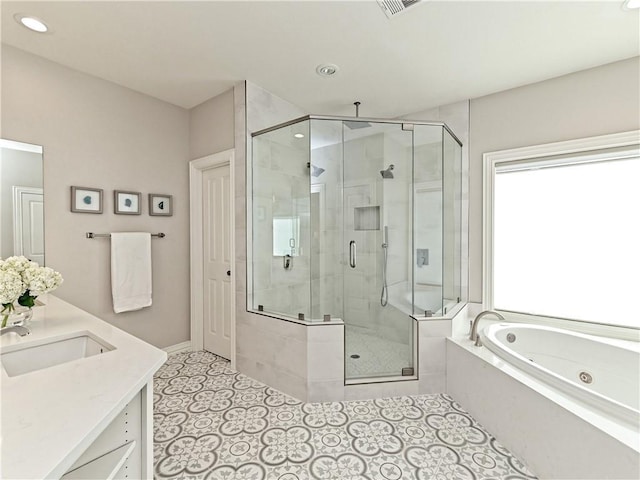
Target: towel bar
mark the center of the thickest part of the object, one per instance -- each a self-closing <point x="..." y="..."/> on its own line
<point x="96" y="235"/>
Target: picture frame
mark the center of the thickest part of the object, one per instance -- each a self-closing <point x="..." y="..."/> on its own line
<point x="86" y="200"/>
<point x="160" y="205"/>
<point x="126" y="203"/>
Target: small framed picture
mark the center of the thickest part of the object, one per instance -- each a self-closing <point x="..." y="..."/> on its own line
<point x="160" y="205"/>
<point x="126" y="203"/>
<point x="86" y="200"/>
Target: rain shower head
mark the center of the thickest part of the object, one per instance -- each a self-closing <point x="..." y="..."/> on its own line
<point x="387" y="172"/>
<point x="354" y="125"/>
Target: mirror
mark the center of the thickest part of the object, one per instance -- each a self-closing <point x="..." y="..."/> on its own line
<point x="21" y="201"/>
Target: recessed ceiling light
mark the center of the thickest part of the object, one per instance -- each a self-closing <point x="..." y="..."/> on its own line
<point x="631" y="4"/>
<point x="298" y="135"/>
<point x="32" y="23"/>
<point x="326" y="69"/>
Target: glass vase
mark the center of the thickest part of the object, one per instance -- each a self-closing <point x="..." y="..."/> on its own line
<point x="19" y="316"/>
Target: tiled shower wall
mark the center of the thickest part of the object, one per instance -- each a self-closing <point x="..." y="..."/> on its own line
<point x="280" y="189"/>
<point x="456" y="116"/>
<point x="327" y="240"/>
<point x="354" y="295"/>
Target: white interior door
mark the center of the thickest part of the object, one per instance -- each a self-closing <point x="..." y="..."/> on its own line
<point x="216" y="241"/>
<point x="28" y="223"/>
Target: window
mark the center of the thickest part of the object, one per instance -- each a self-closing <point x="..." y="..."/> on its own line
<point x="286" y="232"/>
<point x="562" y="230"/>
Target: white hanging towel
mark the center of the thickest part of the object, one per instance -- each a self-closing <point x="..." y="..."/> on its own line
<point x="130" y="270"/>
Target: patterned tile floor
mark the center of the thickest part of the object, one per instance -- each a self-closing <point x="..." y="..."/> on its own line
<point x="213" y="423"/>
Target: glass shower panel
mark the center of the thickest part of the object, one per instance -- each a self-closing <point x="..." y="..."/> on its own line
<point x="376" y="245"/>
<point x="428" y="219"/>
<point x="326" y="219"/>
<point x="452" y="222"/>
<point x="281" y="230"/>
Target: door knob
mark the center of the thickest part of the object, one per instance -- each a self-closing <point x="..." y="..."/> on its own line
<point x="228" y="273"/>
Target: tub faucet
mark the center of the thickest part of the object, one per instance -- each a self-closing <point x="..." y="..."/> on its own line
<point x="20" y="330"/>
<point x="473" y="334"/>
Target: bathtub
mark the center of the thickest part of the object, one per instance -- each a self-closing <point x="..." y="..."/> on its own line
<point x="602" y="373"/>
<point x="526" y="385"/>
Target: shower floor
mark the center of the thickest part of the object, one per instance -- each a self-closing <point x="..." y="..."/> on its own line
<point x="377" y="356"/>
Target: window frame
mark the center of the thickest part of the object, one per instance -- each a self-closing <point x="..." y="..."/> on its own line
<point x="544" y="153"/>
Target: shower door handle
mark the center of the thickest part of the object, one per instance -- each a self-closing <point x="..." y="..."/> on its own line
<point x="352" y="254"/>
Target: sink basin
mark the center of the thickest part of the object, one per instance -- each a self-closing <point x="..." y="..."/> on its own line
<point x="21" y="359"/>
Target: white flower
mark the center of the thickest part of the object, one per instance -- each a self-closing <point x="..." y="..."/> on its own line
<point x="40" y="280"/>
<point x="11" y="286"/>
<point x="18" y="276"/>
<point x="17" y="264"/>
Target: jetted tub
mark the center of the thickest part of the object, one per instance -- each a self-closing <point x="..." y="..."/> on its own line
<point x="603" y="373"/>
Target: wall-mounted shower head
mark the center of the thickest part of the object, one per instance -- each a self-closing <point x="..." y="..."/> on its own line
<point x="315" y="171"/>
<point x="387" y="172"/>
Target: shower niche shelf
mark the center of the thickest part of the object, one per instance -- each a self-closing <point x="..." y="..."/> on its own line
<point x="366" y="218"/>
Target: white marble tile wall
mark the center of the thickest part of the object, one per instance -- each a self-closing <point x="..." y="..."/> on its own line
<point x="262" y="343"/>
<point x="397" y="210"/>
<point x="281" y="189"/>
<point x="381" y="390"/>
<point x="327" y="224"/>
<point x="325" y="363"/>
<point x="456" y="116"/>
<point x="273" y="351"/>
<point x="432" y="354"/>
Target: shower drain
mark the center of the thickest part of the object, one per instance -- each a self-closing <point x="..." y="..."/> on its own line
<point x="355" y="355"/>
<point x="585" y="377"/>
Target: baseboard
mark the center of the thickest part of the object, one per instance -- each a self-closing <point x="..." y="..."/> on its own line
<point x="179" y="347"/>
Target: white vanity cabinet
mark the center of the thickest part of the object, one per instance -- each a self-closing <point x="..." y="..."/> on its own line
<point x="87" y="418"/>
<point x="124" y="449"/>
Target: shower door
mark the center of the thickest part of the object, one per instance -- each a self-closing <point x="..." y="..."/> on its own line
<point x="377" y="246"/>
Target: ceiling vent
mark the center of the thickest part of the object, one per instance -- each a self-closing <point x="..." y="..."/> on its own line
<point x="392" y="8"/>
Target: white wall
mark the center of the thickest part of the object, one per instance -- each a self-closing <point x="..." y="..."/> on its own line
<point x="98" y="134"/>
<point x="592" y="102"/>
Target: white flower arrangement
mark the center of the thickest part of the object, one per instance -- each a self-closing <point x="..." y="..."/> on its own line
<point x="22" y="280"/>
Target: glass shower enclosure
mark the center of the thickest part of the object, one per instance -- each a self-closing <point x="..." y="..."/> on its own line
<point x="357" y="220"/>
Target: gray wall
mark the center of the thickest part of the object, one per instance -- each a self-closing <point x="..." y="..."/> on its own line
<point x="98" y="134"/>
<point x="592" y="102"/>
<point x="211" y="126"/>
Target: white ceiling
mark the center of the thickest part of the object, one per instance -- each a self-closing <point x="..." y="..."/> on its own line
<point x="435" y="53"/>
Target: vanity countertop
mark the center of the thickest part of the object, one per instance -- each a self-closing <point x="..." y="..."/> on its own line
<point x="50" y="416"/>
